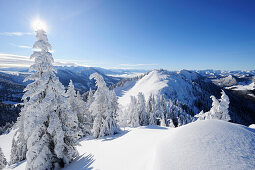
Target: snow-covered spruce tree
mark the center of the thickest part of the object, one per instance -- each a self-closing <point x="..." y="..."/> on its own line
<point x="88" y="102"/>
<point x="151" y="110"/>
<point x="78" y="107"/>
<point x="19" y="142"/>
<point x="201" y="115"/>
<point x="224" y="105"/>
<point x="163" y="110"/>
<point x="90" y="98"/>
<point x="133" y="113"/>
<point x="171" y="123"/>
<point x="219" y="109"/>
<point x="3" y="161"/>
<point x="50" y="126"/>
<point x="103" y="109"/>
<point x="141" y="108"/>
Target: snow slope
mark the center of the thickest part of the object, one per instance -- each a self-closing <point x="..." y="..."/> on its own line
<point x="174" y="85"/>
<point x="209" y="144"/>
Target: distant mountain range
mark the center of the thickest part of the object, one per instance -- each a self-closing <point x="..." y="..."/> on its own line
<point x="192" y="89"/>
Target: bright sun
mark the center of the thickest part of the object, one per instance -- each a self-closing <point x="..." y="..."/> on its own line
<point x="38" y="24"/>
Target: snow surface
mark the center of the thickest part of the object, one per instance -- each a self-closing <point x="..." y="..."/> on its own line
<point x="149" y="84"/>
<point x="206" y="144"/>
<point x="6" y="143"/>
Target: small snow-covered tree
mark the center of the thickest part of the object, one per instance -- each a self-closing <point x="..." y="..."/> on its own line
<point x="103" y="109"/>
<point x="201" y="115"/>
<point x="171" y="123"/>
<point x="3" y="161"/>
<point x="50" y="126"/>
<point x="219" y="109"/>
<point x="151" y="110"/>
<point x="224" y="105"/>
<point x="143" y="116"/>
<point x="133" y="113"/>
<point x="19" y="142"/>
<point x="78" y="107"/>
<point x="163" y="110"/>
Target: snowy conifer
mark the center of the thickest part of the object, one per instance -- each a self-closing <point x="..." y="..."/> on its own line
<point x="50" y="126"/>
<point x="143" y="116"/>
<point x="151" y="110"/>
<point x="133" y="113"/>
<point x="224" y="105"/>
<point x="171" y="123"/>
<point x="3" y="161"/>
<point x="219" y="109"/>
<point x="103" y="109"/>
<point x="163" y="110"/>
<point x="78" y="108"/>
<point x="201" y="115"/>
<point x="19" y="142"/>
<point x="90" y="98"/>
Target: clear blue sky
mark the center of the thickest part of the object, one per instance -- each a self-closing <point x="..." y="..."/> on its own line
<point x="170" y="34"/>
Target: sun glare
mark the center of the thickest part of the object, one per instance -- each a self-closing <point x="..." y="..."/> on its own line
<point x="38" y="24"/>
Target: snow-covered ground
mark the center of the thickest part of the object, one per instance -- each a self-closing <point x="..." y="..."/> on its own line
<point x="209" y="144"/>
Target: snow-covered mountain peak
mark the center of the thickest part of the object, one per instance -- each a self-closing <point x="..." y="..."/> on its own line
<point x="173" y="85"/>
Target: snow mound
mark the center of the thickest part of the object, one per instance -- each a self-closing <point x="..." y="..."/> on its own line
<point x="252" y="126"/>
<point x="209" y="144"/>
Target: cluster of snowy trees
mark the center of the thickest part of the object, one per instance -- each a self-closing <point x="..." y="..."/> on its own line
<point x="53" y="119"/>
<point x="3" y="161"/>
<point x="219" y="109"/>
<point x="155" y="111"/>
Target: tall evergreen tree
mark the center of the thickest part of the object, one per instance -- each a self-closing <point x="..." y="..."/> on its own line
<point x="78" y="107"/>
<point x="133" y="113"/>
<point x="163" y="110"/>
<point x="50" y="127"/>
<point x="151" y="110"/>
<point x="143" y="116"/>
<point x="103" y="109"/>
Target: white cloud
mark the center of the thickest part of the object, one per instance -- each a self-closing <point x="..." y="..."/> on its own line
<point x="21" y="46"/>
<point x="24" y="46"/>
<point x="12" y="60"/>
<point x="137" y="65"/>
<point x="16" y="33"/>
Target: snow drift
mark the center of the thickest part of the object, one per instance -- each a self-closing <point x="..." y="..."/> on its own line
<point x="209" y="144"/>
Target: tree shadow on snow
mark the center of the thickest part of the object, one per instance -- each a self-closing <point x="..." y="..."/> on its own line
<point x="112" y="137"/>
<point x="105" y="138"/>
<point x="82" y="162"/>
<point x="154" y="127"/>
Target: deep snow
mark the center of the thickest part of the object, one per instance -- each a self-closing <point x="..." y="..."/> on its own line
<point x="206" y="144"/>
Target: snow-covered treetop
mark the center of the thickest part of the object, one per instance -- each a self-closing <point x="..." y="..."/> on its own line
<point x="100" y="83"/>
